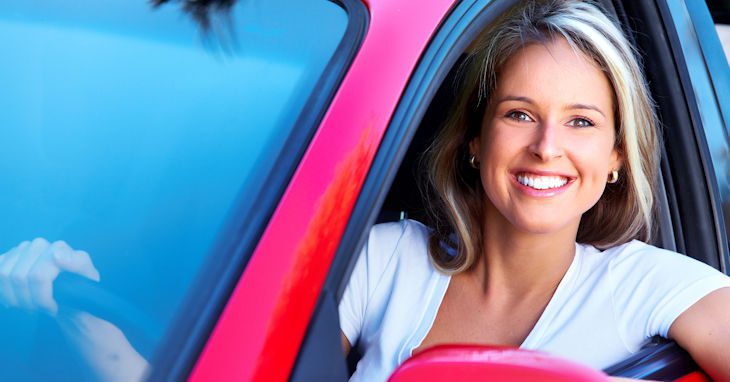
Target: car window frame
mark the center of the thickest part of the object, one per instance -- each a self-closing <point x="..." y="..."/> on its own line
<point x="177" y="354"/>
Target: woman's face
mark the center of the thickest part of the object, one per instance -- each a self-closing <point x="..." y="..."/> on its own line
<point x="546" y="146"/>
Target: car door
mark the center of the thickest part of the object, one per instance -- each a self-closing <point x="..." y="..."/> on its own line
<point x="687" y="77"/>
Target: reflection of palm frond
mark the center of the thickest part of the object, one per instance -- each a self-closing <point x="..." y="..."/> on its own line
<point x="215" y="21"/>
<point x="201" y="10"/>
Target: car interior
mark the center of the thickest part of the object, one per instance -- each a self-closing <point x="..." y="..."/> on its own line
<point x="686" y="216"/>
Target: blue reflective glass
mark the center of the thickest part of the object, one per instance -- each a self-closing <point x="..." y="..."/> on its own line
<point x="128" y="133"/>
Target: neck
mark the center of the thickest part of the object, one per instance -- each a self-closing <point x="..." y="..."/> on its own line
<point x="518" y="264"/>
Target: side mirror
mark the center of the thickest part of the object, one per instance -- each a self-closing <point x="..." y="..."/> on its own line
<point x="477" y="363"/>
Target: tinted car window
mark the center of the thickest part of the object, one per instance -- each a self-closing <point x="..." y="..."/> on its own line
<point x="130" y="134"/>
<point x="720" y="11"/>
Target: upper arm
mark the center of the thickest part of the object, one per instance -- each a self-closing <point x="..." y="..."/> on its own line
<point x="704" y="331"/>
<point x="345" y="343"/>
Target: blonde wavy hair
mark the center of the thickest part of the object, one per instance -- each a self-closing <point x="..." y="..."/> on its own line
<point x="624" y="211"/>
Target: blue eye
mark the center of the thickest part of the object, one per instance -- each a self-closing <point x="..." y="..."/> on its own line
<point x="581" y="122"/>
<point x="519" y="116"/>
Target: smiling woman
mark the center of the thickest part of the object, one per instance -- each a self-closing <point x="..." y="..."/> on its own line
<point x="540" y="141"/>
<point x="544" y="175"/>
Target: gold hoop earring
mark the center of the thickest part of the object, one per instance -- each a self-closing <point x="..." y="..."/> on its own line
<point x="473" y="162"/>
<point x="614" y="177"/>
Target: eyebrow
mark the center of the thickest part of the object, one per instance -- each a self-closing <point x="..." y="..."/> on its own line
<point x="516" y="98"/>
<point x="584" y="106"/>
<point x="568" y="107"/>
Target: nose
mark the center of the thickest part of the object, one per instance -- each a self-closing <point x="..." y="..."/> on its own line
<point x="546" y="143"/>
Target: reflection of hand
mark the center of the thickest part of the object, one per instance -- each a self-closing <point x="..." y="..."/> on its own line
<point x="28" y="270"/>
<point x="27" y="273"/>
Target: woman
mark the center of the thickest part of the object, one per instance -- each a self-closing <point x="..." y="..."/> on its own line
<point x="544" y="175"/>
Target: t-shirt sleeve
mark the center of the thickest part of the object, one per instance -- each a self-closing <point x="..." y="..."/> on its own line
<point x="370" y="269"/>
<point x="652" y="287"/>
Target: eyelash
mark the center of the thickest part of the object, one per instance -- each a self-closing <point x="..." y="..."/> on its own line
<point x="589" y="123"/>
<point x="515" y="115"/>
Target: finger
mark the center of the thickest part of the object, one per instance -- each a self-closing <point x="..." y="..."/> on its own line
<point x="78" y="262"/>
<point x="40" y="283"/>
<point x="19" y="274"/>
<point x="20" y="246"/>
<point x="11" y="257"/>
<point x="42" y="275"/>
<point x="6" y="266"/>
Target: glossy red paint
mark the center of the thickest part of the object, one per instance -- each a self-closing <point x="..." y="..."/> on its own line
<point x="258" y="335"/>
<point x="694" y="377"/>
<point x="474" y="363"/>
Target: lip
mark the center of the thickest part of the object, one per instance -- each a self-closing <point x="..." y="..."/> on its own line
<point x="547" y="193"/>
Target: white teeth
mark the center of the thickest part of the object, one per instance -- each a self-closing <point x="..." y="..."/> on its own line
<point x="541" y="182"/>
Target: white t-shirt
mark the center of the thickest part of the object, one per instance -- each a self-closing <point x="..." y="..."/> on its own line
<point x="604" y="309"/>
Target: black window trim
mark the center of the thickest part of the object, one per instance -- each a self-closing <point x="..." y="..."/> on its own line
<point x="700" y="243"/>
<point x="184" y="341"/>
<point x="687" y="181"/>
<point x="718" y="77"/>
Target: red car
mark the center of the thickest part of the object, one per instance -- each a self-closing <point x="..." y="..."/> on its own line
<point x="222" y="162"/>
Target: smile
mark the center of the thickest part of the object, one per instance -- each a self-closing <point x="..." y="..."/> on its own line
<point x="540" y="182"/>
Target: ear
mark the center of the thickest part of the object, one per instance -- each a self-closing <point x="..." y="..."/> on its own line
<point x="474" y="146"/>
<point x="616" y="160"/>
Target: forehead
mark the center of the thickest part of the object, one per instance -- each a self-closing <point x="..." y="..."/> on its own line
<point x="555" y="72"/>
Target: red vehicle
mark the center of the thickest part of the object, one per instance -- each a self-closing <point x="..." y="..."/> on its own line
<point x="224" y="188"/>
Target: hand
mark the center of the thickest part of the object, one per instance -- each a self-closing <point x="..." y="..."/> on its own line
<point x="27" y="273"/>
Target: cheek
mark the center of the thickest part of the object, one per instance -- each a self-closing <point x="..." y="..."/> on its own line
<point x="594" y="155"/>
<point x="499" y="143"/>
<point x="496" y="154"/>
<point x="594" y="168"/>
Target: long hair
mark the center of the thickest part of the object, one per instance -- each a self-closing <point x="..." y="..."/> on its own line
<point x="624" y="211"/>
